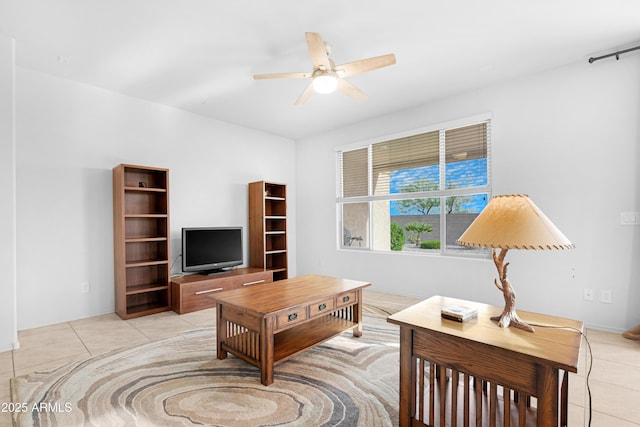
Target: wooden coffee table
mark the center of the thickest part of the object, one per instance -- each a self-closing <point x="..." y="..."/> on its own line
<point x="268" y="324"/>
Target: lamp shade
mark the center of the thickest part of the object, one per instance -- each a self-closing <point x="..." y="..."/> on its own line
<point x="513" y="222"/>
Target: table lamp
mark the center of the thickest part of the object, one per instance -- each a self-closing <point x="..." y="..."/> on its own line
<point x="512" y="222"/>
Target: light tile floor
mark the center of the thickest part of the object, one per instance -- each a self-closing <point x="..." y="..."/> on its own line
<point x="614" y="380"/>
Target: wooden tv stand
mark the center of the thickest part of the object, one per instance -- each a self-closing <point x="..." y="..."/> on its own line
<point x="268" y="325"/>
<point x="198" y="292"/>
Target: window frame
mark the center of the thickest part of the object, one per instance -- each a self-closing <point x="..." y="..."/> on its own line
<point x="442" y="193"/>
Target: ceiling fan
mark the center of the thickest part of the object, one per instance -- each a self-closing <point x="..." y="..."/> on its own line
<point x="326" y="75"/>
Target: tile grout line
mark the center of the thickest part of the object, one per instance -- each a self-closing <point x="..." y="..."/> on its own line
<point x="80" y="338"/>
<point x="139" y="330"/>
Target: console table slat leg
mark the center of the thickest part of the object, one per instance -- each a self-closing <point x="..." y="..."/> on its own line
<point x="467" y="386"/>
<point x="455" y="378"/>
<point x="506" y="399"/>
<point x="478" y="384"/>
<point x="493" y="404"/>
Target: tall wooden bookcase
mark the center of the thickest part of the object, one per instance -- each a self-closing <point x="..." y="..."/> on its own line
<point x="141" y="240"/>
<point x="268" y="227"/>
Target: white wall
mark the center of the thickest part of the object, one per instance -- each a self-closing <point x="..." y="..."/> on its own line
<point x="568" y="138"/>
<point x="8" y="335"/>
<point x="69" y="137"/>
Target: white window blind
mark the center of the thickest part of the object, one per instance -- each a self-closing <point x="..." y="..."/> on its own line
<point x="354" y="173"/>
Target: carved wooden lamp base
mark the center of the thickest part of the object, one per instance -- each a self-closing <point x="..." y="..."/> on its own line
<point x="509" y="317"/>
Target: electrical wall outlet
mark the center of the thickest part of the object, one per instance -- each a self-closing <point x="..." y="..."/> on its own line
<point x="588" y="294"/>
<point x="629" y="218"/>
<point x="605" y="296"/>
<point x="85" y="288"/>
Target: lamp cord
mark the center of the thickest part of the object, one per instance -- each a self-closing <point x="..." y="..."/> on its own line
<point x="590" y="358"/>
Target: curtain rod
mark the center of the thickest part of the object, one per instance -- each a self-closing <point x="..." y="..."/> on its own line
<point x="616" y="54"/>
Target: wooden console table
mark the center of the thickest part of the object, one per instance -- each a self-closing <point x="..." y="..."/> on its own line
<point x="268" y="324"/>
<point x="452" y="372"/>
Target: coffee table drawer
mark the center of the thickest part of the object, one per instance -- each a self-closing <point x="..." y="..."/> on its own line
<point x="346" y="298"/>
<point x="291" y="317"/>
<point x="321" y="307"/>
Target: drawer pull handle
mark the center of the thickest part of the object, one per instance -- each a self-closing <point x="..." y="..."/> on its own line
<point x="292" y="317"/>
<point x="322" y="306"/>
<point x="208" y="290"/>
<point x="345" y="299"/>
<point x="253" y="283"/>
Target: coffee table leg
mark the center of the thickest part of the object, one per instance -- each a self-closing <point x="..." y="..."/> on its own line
<point x="357" y="330"/>
<point x="357" y="315"/>
<point x="266" y="352"/>
<point x="220" y="333"/>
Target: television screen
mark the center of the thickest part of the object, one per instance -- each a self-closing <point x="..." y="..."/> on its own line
<point x="211" y="249"/>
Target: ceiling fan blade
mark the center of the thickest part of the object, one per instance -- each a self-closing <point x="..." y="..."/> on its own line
<point x="364" y="65"/>
<point x="350" y="90"/>
<point x="305" y="95"/>
<point x="318" y="52"/>
<point x="282" y="76"/>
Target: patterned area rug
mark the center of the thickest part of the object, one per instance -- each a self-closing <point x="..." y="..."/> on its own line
<point x="179" y="382"/>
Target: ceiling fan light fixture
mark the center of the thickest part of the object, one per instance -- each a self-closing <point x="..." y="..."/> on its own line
<point x="324" y="75"/>
<point x="325" y="83"/>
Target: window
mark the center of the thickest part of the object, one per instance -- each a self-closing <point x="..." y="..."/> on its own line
<point x="415" y="193"/>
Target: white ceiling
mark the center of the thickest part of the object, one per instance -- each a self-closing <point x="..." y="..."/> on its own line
<point x="200" y="55"/>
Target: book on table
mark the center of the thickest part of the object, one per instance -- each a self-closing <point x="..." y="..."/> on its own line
<point x="459" y="313"/>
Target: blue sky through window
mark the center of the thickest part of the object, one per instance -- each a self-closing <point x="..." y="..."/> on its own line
<point x="467" y="173"/>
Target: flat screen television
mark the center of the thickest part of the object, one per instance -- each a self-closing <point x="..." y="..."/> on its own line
<point x="209" y="250"/>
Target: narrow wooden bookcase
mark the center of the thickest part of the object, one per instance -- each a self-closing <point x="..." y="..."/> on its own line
<point x="268" y="227"/>
<point x="141" y="240"/>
